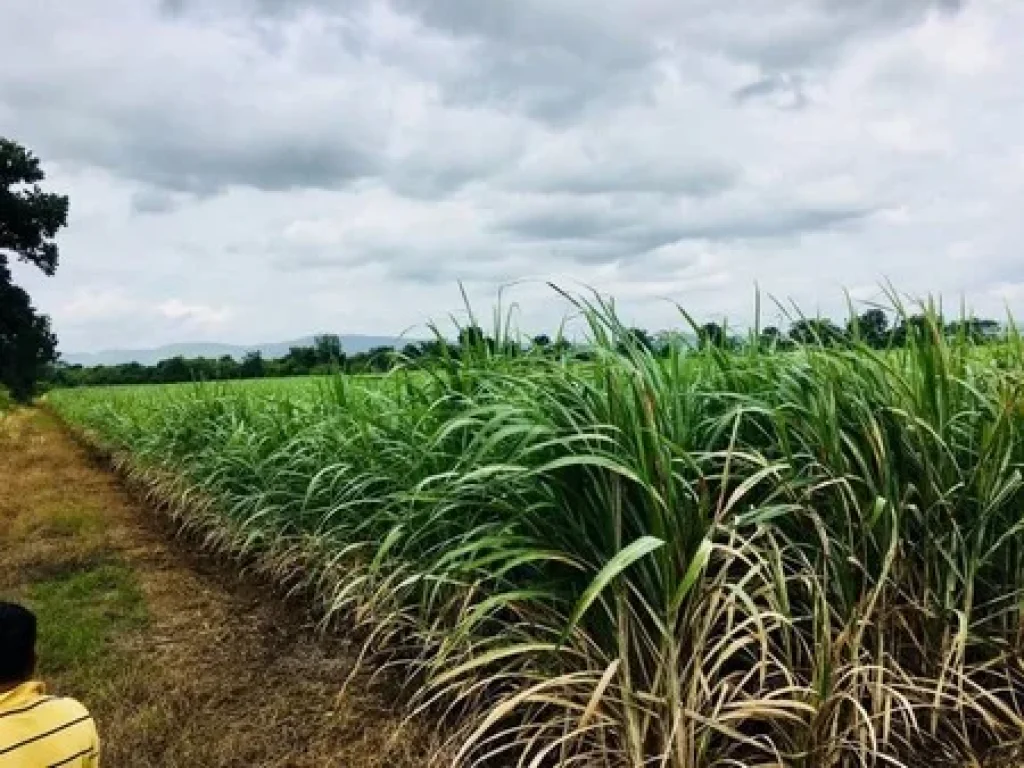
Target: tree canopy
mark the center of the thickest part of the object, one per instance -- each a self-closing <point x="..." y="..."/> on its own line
<point x="29" y="221"/>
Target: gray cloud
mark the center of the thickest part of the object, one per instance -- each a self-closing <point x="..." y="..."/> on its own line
<point x="779" y="223"/>
<point x="639" y="177"/>
<point x="152" y="201"/>
<point x="786" y="92"/>
<point x="554" y="59"/>
<point x="178" y="148"/>
<point x="287" y="165"/>
<point x="607" y="53"/>
<point x="795" y="34"/>
<point x="518" y="47"/>
<point x="200" y="106"/>
<point x="598" y="234"/>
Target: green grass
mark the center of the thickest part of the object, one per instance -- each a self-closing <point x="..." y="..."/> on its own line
<point x="59" y="520"/>
<point x="810" y="558"/>
<point x="80" y="612"/>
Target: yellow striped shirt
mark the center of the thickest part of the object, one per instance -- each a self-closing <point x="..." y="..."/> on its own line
<point x="40" y="731"/>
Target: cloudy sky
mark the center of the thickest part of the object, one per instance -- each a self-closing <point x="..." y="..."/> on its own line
<point x="255" y="170"/>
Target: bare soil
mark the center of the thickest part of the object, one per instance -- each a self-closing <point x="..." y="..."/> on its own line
<point x="183" y="661"/>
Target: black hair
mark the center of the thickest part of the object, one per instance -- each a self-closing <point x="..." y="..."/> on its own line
<point x="17" y="643"/>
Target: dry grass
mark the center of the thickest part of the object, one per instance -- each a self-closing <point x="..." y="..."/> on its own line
<point x="183" y="662"/>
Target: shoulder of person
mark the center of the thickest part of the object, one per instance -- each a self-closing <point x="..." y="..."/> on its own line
<point x="70" y="709"/>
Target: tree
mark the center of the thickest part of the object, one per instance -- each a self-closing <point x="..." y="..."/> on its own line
<point x="871" y="328"/>
<point x="667" y="342"/>
<point x="917" y="329"/>
<point x="379" y="359"/>
<point x="252" y="366"/>
<point x="635" y="339"/>
<point x="412" y="351"/>
<point x="328" y="349"/>
<point x="471" y="336"/>
<point x="711" y="335"/>
<point x="26" y="344"/>
<point x="227" y="367"/>
<point x="771" y="338"/>
<point x="173" y="369"/>
<point x="299" y="360"/>
<point x="29" y="221"/>
<point x="820" y="331"/>
<point x="974" y="329"/>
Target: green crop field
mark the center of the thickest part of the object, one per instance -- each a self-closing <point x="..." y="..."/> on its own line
<point x="807" y="558"/>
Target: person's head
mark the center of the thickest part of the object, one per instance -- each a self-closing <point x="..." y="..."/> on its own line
<point x="17" y="644"/>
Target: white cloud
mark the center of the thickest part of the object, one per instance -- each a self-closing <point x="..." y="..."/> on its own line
<point x="96" y="309"/>
<point x="249" y="170"/>
<point x="194" y="314"/>
<point x="966" y="46"/>
<point x="1010" y="292"/>
<point x="87" y="304"/>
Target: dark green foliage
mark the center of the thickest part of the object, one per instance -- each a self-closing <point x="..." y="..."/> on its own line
<point x="29" y="221"/>
<point x="412" y="351"/>
<point x="712" y="335"/>
<point x="771" y="338"/>
<point x="252" y="366"/>
<point x="29" y="217"/>
<point x="973" y="329"/>
<point x="871" y="328"/>
<point x="328" y="350"/>
<point x="820" y="331"/>
<point x="915" y="329"/>
<point x="638" y="338"/>
<point x="471" y="336"/>
<point x="26" y="344"/>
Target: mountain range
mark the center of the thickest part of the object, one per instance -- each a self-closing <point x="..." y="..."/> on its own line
<point x="352" y="344"/>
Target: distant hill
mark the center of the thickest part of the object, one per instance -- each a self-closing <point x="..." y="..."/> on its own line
<point x="352" y="345"/>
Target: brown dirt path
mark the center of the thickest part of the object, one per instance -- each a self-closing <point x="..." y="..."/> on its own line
<point x="183" y="662"/>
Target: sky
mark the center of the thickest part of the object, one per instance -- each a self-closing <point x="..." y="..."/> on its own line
<point x="258" y="170"/>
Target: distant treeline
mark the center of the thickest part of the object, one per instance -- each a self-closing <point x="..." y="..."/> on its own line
<point x="872" y="328"/>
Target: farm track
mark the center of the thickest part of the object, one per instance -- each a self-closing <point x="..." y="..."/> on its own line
<point x="209" y="668"/>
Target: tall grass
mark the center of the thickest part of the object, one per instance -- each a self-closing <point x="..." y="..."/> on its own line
<point x="808" y="558"/>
